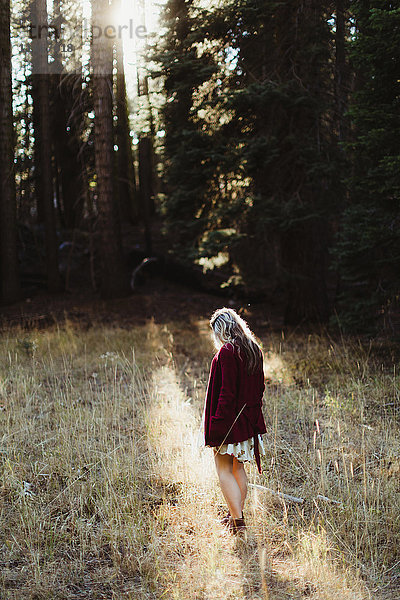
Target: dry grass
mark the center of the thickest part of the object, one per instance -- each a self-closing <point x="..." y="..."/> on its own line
<point x="105" y="493"/>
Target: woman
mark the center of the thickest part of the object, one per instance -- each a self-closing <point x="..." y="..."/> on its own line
<point x="233" y="420"/>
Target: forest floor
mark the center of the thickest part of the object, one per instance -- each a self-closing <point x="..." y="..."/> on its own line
<point x="105" y="494"/>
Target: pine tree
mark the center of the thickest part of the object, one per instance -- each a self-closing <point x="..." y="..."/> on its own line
<point x="187" y="149"/>
<point x="252" y="158"/>
<point x="368" y="248"/>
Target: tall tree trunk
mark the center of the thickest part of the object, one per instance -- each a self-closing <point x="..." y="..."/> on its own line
<point x="341" y="70"/>
<point x="143" y="88"/>
<point x="145" y="186"/>
<point x="25" y="194"/>
<point x="304" y="244"/>
<point x="9" y="277"/>
<point x="67" y="121"/>
<point x="36" y="123"/>
<point x="67" y="144"/>
<point x="146" y="158"/>
<point x="126" y="170"/>
<point x="43" y="145"/>
<point x="304" y="254"/>
<point x="114" y="280"/>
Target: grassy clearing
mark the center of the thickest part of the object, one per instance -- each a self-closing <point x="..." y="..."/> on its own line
<point x="105" y="494"/>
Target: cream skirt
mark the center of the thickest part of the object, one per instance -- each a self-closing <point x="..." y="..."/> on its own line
<point x="243" y="451"/>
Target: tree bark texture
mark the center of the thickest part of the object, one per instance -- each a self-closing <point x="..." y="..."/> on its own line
<point x="304" y="240"/>
<point x="43" y="142"/>
<point x="66" y="97"/>
<point x="126" y="170"/>
<point x="114" y="280"/>
<point x="10" y="288"/>
<point x="67" y="110"/>
<point x="341" y="70"/>
<point x="304" y="254"/>
<point x="145" y="186"/>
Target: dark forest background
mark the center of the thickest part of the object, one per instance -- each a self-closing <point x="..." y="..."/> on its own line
<point x="259" y="157"/>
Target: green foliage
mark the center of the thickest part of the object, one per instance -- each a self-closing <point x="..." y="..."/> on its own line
<point x="187" y="145"/>
<point x="368" y="248"/>
<point x="247" y="86"/>
<point x="251" y="147"/>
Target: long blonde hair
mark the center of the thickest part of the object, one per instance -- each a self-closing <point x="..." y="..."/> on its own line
<point x="228" y="326"/>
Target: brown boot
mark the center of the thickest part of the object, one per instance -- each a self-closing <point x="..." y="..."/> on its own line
<point x="225" y="520"/>
<point x="237" y="526"/>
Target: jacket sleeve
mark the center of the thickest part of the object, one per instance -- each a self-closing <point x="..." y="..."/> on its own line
<point x="226" y="402"/>
<point x="262" y="382"/>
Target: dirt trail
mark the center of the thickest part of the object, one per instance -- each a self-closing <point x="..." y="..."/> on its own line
<point x="203" y="559"/>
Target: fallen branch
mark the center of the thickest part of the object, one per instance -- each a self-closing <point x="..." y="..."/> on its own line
<point x="279" y="494"/>
<point x="319" y="497"/>
<point x="292" y="498"/>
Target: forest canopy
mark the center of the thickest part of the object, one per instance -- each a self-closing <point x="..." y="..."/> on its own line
<point x="253" y="142"/>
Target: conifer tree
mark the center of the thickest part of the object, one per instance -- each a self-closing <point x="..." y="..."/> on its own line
<point x="187" y="146"/>
<point x="251" y="151"/>
<point x="368" y="248"/>
<point x="281" y="105"/>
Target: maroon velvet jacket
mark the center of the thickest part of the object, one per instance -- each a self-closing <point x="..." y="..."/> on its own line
<point x="230" y="391"/>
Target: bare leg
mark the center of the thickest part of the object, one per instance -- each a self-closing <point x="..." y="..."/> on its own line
<point x="239" y="473"/>
<point x="229" y="486"/>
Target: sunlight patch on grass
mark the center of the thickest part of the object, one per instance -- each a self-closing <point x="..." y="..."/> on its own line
<point x="275" y="370"/>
